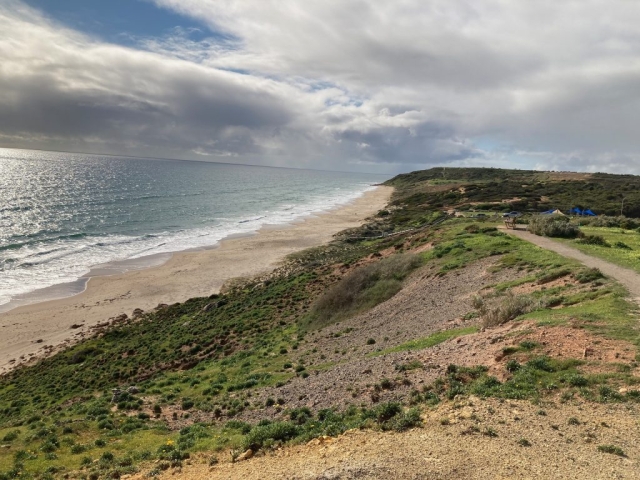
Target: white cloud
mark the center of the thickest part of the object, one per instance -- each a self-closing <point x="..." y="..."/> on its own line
<point x="389" y="85"/>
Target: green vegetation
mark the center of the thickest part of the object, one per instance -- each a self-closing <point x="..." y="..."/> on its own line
<point x="616" y="245"/>
<point x="210" y="357"/>
<point x="363" y="288"/>
<point x="608" y="315"/>
<point x="500" y="190"/>
<point x="553" y="226"/>
<point x="538" y="377"/>
<point x="611" y="449"/>
<point x="511" y="307"/>
<point x="596" y="240"/>
<point x="430" y="341"/>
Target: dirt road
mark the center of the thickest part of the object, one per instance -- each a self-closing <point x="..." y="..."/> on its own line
<point x="628" y="278"/>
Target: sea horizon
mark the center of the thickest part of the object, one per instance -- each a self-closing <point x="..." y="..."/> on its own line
<point x="131" y="213"/>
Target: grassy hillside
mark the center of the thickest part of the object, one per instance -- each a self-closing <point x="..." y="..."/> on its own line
<point x="281" y="358"/>
<point x="522" y="190"/>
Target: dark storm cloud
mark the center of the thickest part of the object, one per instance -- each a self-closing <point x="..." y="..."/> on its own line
<point x="61" y="88"/>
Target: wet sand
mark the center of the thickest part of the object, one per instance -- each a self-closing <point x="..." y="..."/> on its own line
<point x="28" y="331"/>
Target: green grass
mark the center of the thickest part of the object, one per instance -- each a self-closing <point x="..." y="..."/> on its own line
<point x="430" y="341"/>
<point x="460" y="242"/>
<point x="611" y="315"/>
<point x="535" y="379"/>
<point x="629" y="258"/>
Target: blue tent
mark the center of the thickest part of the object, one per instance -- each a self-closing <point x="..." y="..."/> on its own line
<point x="586" y="211"/>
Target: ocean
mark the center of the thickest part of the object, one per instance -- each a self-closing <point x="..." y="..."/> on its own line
<point x="64" y="215"/>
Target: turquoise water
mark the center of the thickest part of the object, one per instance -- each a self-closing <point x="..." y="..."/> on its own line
<point x="61" y="213"/>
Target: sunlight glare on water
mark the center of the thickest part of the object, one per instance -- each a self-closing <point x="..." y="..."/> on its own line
<point x="62" y="213"/>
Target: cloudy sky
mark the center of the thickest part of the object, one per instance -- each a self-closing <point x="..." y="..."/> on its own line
<point x="375" y="85"/>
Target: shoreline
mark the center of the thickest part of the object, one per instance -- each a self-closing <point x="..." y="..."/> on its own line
<point x="72" y="287"/>
<point x="34" y="330"/>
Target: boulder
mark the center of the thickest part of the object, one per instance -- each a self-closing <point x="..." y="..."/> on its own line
<point x="208" y="307"/>
<point x="245" y="456"/>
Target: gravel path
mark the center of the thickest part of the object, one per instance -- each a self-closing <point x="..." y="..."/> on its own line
<point x="628" y="278"/>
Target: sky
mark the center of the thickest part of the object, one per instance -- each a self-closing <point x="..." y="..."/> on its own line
<point x="354" y="85"/>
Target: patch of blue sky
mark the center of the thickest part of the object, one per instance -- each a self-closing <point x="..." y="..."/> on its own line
<point x="351" y="102"/>
<point x="123" y="22"/>
<point x="320" y="85"/>
<point x="348" y="99"/>
<point x="239" y="71"/>
<point x="487" y="144"/>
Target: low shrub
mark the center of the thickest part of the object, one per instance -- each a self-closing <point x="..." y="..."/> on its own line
<point x="528" y="345"/>
<point x="412" y="365"/>
<point x="611" y="449"/>
<point x="300" y="415"/>
<point x="406" y="420"/>
<point x="512" y="366"/>
<point x="511" y="307"/>
<point x="259" y="435"/>
<point x="77" y="449"/>
<point x="611" y="222"/>
<point x="553" y="275"/>
<point x="477" y="302"/>
<point x="107" y="457"/>
<point x="576" y="380"/>
<point x="589" y="275"/>
<point x="364" y="287"/>
<point x="597" y="240"/>
<point x="387" y="384"/>
<point x="11" y="436"/>
<point x="553" y="226"/>
<point x="387" y="411"/>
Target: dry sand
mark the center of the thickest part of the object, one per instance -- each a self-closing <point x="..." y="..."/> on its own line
<point x="26" y="331"/>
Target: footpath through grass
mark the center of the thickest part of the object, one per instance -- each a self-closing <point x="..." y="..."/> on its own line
<point x="622" y="246"/>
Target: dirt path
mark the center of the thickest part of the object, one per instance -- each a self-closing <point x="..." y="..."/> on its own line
<point x="628" y="278"/>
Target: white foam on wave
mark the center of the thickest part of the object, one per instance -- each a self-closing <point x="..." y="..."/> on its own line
<point x="65" y="261"/>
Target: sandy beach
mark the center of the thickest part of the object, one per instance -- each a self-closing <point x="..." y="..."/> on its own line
<point x="28" y="332"/>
